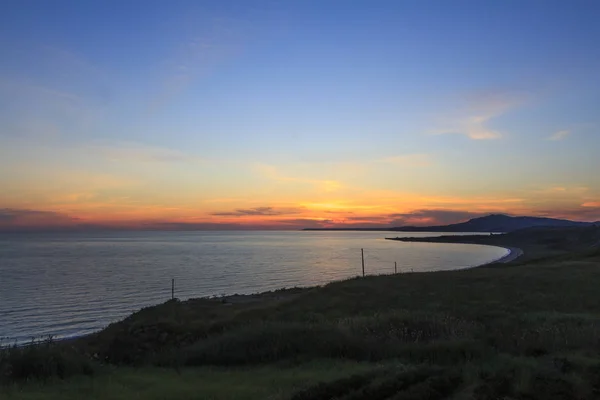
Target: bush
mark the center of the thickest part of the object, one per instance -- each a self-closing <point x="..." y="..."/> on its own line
<point x="420" y="383"/>
<point x="266" y="342"/>
<point x="540" y="336"/>
<point x="435" y="387"/>
<point x="41" y="360"/>
<point x="340" y="387"/>
<point x="434" y="339"/>
<point x="412" y="328"/>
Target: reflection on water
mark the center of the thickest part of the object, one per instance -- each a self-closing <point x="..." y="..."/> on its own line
<point x="72" y="284"/>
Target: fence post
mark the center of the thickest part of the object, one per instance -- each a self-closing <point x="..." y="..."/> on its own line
<point x="395" y="267"/>
<point x="362" y="253"/>
<point x="172" y="288"/>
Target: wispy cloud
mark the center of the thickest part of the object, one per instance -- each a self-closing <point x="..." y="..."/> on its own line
<point x="19" y="219"/>
<point x="409" y="160"/>
<point x="473" y="120"/>
<point x="137" y="152"/>
<point x="300" y="223"/>
<point x="273" y="173"/>
<point x="433" y="217"/>
<point x="259" y="211"/>
<point x="40" y="109"/>
<point x="560" y="135"/>
<point x="216" y="42"/>
<point x="591" y="204"/>
<point x="584" y="213"/>
<point x="562" y="190"/>
<point x="418" y="217"/>
<point x="203" y="226"/>
<point x="222" y="200"/>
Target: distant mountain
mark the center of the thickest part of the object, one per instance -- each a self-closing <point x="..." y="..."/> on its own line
<point x="496" y="223"/>
<point x="490" y="223"/>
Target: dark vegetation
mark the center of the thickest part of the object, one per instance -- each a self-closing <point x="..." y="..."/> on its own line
<point x="489" y="223"/>
<point x="42" y="360"/>
<point x="524" y="331"/>
<point x="538" y="243"/>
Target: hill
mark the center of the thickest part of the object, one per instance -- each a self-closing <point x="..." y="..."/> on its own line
<point x="489" y="223"/>
<point x="536" y="242"/>
<point x="498" y="223"/>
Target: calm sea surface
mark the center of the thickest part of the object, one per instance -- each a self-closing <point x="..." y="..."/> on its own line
<point x="72" y="284"/>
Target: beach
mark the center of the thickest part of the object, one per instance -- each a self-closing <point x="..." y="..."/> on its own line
<point x="514" y="253"/>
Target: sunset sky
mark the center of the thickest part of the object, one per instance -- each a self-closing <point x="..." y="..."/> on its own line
<point x="290" y="114"/>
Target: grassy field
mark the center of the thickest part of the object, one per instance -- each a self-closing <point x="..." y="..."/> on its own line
<point x="125" y="383"/>
<point x="529" y="330"/>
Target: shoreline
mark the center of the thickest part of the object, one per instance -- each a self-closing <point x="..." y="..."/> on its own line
<point x="519" y="246"/>
<point x="513" y="254"/>
<point x="285" y="292"/>
<point x="513" y="251"/>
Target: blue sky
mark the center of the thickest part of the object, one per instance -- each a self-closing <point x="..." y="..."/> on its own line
<point x="145" y="111"/>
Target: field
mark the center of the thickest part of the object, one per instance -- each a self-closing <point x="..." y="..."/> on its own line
<point x="526" y="330"/>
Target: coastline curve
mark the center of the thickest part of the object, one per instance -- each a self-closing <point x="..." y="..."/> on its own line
<point x="513" y="254"/>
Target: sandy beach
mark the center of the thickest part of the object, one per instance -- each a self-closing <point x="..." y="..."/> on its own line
<point x="514" y="253"/>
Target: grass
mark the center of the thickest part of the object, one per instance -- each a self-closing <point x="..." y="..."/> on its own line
<point x="125" y="383"/>
<point x="42" y="360"/>
<point x="529" y="331"/>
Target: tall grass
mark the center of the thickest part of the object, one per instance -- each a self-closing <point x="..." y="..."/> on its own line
<point x="42" y="360"/>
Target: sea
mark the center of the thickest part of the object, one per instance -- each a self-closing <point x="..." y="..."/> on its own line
<point x="70" y="284"/>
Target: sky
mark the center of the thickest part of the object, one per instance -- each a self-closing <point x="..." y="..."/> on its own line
<point x="292" y="114"/>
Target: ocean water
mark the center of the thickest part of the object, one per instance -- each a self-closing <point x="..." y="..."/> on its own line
<point x="66" y="285"/>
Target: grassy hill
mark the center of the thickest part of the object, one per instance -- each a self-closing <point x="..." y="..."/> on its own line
<point x="500" y="223"/>
<point x="527" y="331"/>
<point x="490" y="223"/>
<point x="537" y="242"/>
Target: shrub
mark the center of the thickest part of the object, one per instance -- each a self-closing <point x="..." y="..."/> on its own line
<point x="266" y="342"/>
<point x="42" y="360"/>
<point x="337" y="388"/>
<point x="420" y="383"/>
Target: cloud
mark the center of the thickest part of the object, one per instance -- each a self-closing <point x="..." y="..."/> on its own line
<point x="281" y="224"/>
<point x="142" y="153"/>
<point x="259" y="211"/>
<point x="224" y="200"/>
<point x="560" y="135"/>
<point x="422" y="217"/>
<point x="69" y="97"/>
<point x="27" y="220"/>
<point x="199" y="226"/>
<point x="433" y="217"/>
<point x="371" y="218"/>
<point x="39" y="112"/>
<point x="591" y="204"/>
<point x="409" y="160"/>
<point x="472" y="121"/>
<point x="213" y="43"/>
<point x="14" y="219"/>
<point x="16" y="214"/>
<point x="561" y="191"/>
<point x="589" y="213"/>
<point x="272" y="173"/>
<point x="301" y="223"/>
